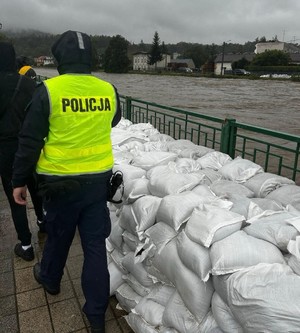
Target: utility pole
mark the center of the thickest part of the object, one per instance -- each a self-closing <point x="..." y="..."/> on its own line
<point x="222" y="61"/>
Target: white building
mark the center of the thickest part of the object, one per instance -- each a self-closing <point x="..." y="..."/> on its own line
<point x="140" y="62"/>
<point x="269" y="46"/>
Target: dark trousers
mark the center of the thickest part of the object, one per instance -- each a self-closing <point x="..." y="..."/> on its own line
<point x="18" y="212"/>
<point x="85" y="209"/>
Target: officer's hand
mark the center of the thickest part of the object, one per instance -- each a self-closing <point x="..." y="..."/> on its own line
<point x="20" y="194"/>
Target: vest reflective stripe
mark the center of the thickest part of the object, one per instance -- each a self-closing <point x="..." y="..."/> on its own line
<point x="23" y="70"/>
<point x="82" y="108"/>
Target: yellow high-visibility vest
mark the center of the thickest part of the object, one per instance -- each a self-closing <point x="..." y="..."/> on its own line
<point x="82" y="108"/>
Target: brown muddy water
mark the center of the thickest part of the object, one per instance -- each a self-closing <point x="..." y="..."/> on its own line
<point x="272" y="104"/>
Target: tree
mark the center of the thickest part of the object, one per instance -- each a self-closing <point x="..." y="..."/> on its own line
<point x="271" y="58"/>
<point x="155" y="52"/>
<point x="115" y="56"/>
<point x="198" y="53"/>
<point x="242" y="63"/>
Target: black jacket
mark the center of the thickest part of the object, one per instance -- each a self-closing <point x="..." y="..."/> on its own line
<point x="15" y="94"/>
<point x="71" y="58"/>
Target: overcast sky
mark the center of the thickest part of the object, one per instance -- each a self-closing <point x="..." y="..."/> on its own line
<point x="194" y="21"/>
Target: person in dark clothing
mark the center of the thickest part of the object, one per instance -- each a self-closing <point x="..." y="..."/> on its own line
<point x="24" y="67"/>
<point x="66" y="138"/>
<point x="15" y="94"/>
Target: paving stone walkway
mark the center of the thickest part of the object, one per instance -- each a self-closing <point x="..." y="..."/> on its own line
<point x="24" y="305"/>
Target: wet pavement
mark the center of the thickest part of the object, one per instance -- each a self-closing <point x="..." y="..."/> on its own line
<point x="24" y="305"/>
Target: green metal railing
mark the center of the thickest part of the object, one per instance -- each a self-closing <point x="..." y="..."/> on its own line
<point x="276" y="152"/>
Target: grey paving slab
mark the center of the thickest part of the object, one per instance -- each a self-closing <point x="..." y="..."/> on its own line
<point x="31" y="299"/>
<point x="24" y="305"/>
<point x="35" y="321"/>
<point x="9" y="324"/>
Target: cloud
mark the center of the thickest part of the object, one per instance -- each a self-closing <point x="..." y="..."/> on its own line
<point x="198" y="21"/>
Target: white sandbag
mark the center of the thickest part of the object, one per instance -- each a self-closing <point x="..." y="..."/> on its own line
<point x="137" y="270"/>
<point x="294" y="260"/>
<point x="127" y="220"/>
<point x="176" y="209"/>
<point x="123" y="124"/>
<point x="204" y="191"/>
<point x="115" y="236"/>
<point x="127" y="297"/>
<point x="156" y="275"/>
<point x="209" y="324"/>
<point x="115" y="277"/>
<point x="117" y="257"/>
<point x="138" y="324"/>
<point x="214" y="160"/>
<point x="224" y="316"/>
<point x="135" y="285"/>
<point x="122" y="157"/>
<point x="150" y="311"/>
<point x="209" y="224"/>
<point x="265" y="298"/>
<point x="240" y="170"/>
<point x="244" y="206"/>
<point x="160" y="234"/>
<point x="177" y="315"/>
<point x="121" y="136"/>
<point x="164" y="181"/>
<point x="264" y="183"/>
<point x="288" y="194"/>
<point x="275" y="228"/>
<point x="194" y="152"/>
<point x="195" y="293"/>
<point x="156" y="145"/>
<point x="144" y="211"/>
<point x="164" y="138"/>
<point x="226" y="188"/>
<point x="131" y="240"/>
<point x="130" y="172"/>
<point x="152" y="306"/>
<point x="177" y="146"/>
<point x="239" y="251"/>
<point x="185" y="165"/>
<point x="194" y="256"/>
<point x="145" y="128"/>
<point x="267" y="204"/>
<point x="148" y="160"/>
<point x="131" y="146"/>
<point x="208" y="197"/>
<point x="211" y="176"/>
<point x="167" y="330"/>
<point x="161" y="293"/>
<point x="135" y="189"/>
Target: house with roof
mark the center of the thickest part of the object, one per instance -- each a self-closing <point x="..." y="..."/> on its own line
<point x="174" y="64"/>
<point x="140" y="62"/>
<point x="44" y="61"/>
<point x="224" y="62"/>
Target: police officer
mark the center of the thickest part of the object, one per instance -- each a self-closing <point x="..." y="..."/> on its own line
<point x="66" y="136"/>
<point x="15" y="94"/>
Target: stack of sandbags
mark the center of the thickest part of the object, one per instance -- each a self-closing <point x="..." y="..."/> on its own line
<point x="201" y="241"/>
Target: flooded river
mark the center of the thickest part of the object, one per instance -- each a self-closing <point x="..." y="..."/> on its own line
<point x="271" y="104"/>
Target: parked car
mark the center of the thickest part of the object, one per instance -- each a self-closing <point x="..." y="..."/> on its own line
<point x="185" y="69"/>
<point x="240" y="71"/>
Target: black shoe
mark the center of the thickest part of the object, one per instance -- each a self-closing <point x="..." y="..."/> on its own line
<point x="42" y="227"/>
<point x="97" y="329"/>
<point x="51" y="290"/>
<point x="27" y="255"/>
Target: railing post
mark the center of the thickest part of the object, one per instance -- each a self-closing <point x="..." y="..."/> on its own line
<point x="228" y="137"/>
<point x="128" y="108"/>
